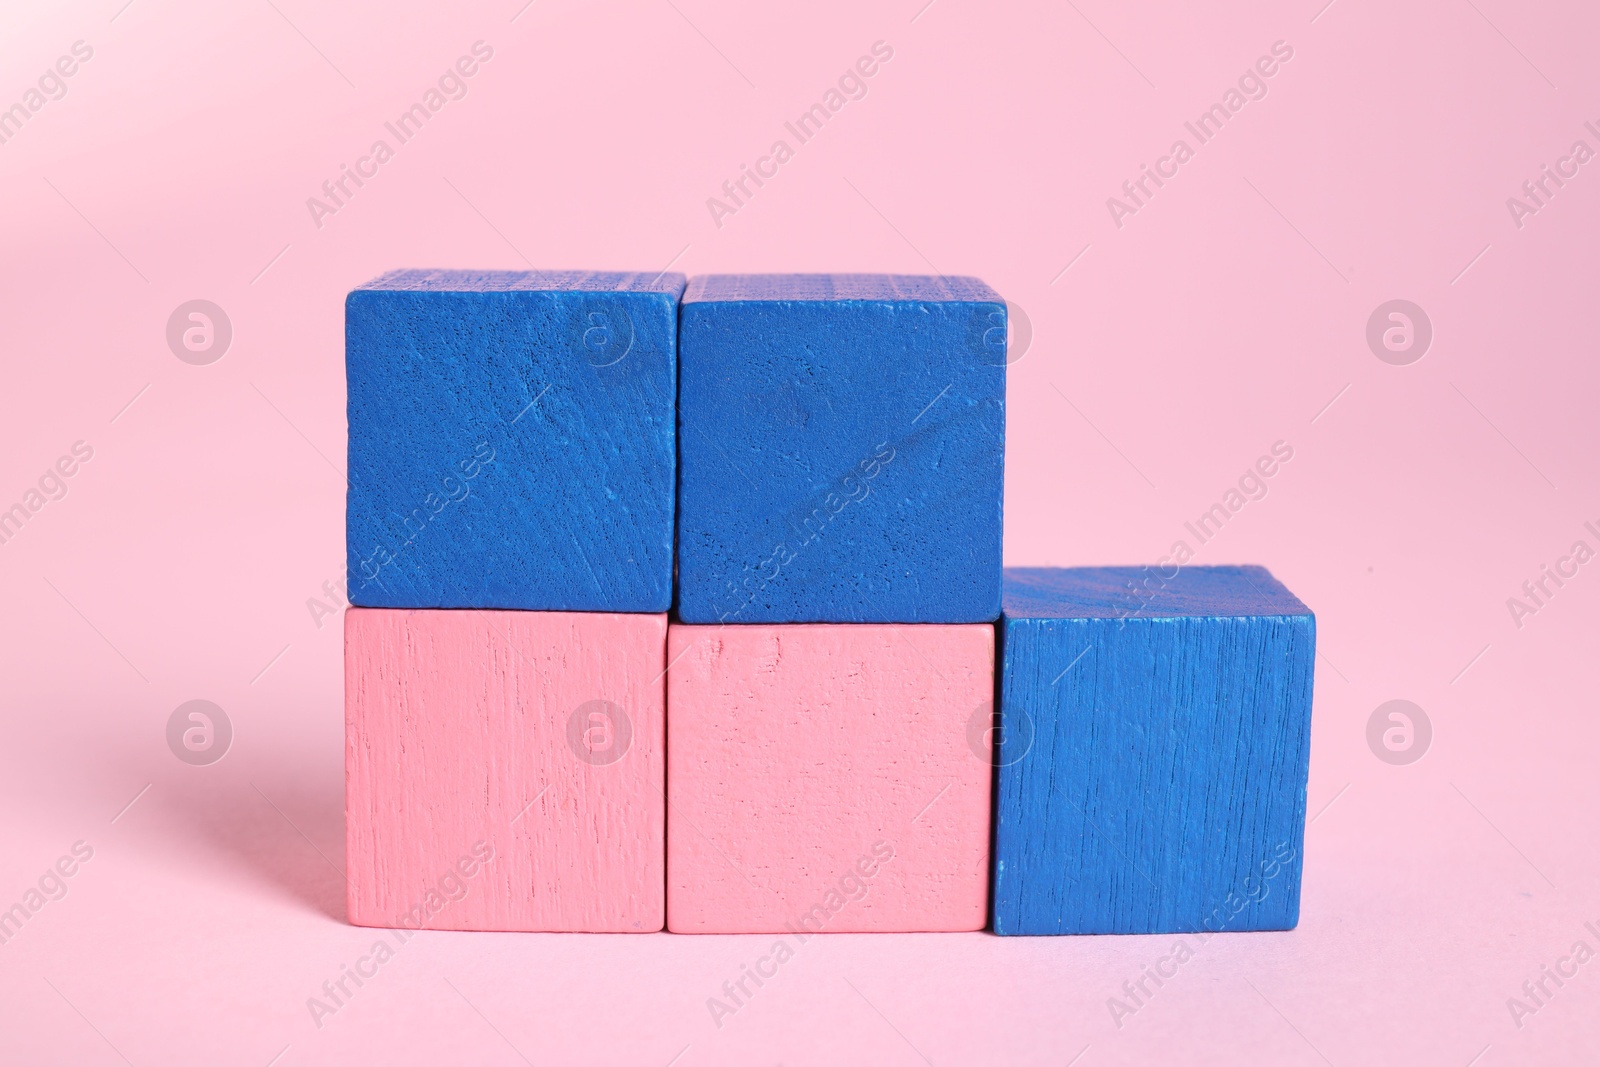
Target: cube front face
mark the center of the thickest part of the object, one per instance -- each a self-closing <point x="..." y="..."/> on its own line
<point x="842" y="449"/>
<point x="1153" y="771"/>
<point x="512" y="441"/>
<point x="823" y="778"/>
<point x="504" y="770"/>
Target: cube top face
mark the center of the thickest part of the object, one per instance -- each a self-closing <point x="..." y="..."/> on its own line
<point x="504" y="770"/>
<point x="529" y="281"/>
<point x="512" y="441"/>
<point x="842" y="458"/>
<point x="823" y="778"/>
<point x="1120" y="592"/>
<point x="882" y="288"/>
<point x="1152" y="768"/>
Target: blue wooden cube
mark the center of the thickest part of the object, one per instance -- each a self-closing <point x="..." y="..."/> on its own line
<point x="512" y="440"/>
<point x="842" y="449"/>
<point x="1155" y="729"/>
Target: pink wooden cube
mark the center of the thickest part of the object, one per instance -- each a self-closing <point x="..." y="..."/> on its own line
<point x="503" y="769"/>
<point x="828" y="778"/>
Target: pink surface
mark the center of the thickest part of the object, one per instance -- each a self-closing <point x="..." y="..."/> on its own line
<point x="820" y="779"/>
<point x="504" y="770"/>
<point x="1230" y="312"/>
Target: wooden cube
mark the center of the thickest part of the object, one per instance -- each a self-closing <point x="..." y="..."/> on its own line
<point x="1154" y="746"/>
<point x="512" y="440"/>
<point x="843" y="449"/>
<point x="503" y="770"/>
<point x="822" y="778"/>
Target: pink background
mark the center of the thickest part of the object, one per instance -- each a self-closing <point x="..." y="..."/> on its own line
<point x="1227" y="314"/>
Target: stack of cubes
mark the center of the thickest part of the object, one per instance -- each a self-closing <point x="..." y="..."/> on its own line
<point x="807" y="472"/>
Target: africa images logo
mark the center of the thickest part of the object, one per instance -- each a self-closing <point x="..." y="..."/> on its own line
<point x="848" y="888"/>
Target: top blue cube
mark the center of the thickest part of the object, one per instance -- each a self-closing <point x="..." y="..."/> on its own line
<point x="512" y="440"/>
<point x="842" y="449"/>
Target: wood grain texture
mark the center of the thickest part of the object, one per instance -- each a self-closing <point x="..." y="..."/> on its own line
<point x="821" y="778"/>
<point x="512" y="440"/>
<point x="1155" y="747"/>
<point x="843" y="449"/>
<point x="534" y="739"/>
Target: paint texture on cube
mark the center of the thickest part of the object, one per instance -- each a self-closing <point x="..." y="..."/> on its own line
<point x="822" y="778"/>
<point x="842" y="446"/>
<point x="1153" y="753"/>
<point x="503" y="770"/>
<point x="512" y="440"/>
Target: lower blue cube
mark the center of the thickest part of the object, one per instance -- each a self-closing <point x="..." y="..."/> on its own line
<point x="1153" y="751"/>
